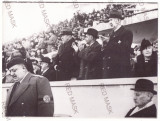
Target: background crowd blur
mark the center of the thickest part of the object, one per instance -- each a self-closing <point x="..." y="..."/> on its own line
<point x="46" y="43"/>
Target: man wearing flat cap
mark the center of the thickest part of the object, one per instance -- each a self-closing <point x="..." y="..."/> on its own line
<point x="30" y="95"/>
<point x="116" y="53"/>
<point x="146" y="64"/>
<point x="47" y="69"/>
<point x="143" y="94"/>
<point x="90" y="56"/>
<point x="65" y="61"/>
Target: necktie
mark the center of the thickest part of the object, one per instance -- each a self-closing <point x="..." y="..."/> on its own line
<point x="14" y="89"/>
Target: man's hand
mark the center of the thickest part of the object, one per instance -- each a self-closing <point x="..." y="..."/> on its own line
<point x="75" y="47"/>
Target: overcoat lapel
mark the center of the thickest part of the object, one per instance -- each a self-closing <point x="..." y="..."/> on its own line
<point x="21" y="89"/>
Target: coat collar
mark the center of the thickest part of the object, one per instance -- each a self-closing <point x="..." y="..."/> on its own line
<point x="118" y="32"/>
<point x="20" y="90"/>
<point x="136" y="109"/>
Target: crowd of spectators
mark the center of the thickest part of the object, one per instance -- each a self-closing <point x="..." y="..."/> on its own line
<point x="46" y="43"/>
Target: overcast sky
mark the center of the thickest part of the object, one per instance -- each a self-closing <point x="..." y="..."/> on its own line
<point x="28" y="17"/>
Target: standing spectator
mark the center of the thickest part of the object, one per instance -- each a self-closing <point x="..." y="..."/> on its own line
<point x="146" y="62"/>
<point x="51" y="41"/>
<point x="65" y="60"/>
<point x="90" y="60"/>
<point x="143" y="94"/>
<point x="47" y="69"/>
<point x="116" y="54"/>
<point x="30" y="95"/>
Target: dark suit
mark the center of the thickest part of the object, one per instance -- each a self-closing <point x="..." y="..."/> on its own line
<point x="30" y="98"/>
<point x="116" y="54"/>
<point x="66" y="61"/>
<point x="145" y="69"/>
<point x="90" y="62"/>
<point x="50" y="74"/>
<point x="149" y="112"/>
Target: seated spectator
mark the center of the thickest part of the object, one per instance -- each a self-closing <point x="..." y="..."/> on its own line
<point x="36" y="67"/>
<point x="143" y="95"/>
<point x="27" y="60"/>
<point x="47" y="70"/>
<point x="146" y="62"/>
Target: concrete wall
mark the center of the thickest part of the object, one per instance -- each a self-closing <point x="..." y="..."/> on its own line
<point x="92" y="98"/>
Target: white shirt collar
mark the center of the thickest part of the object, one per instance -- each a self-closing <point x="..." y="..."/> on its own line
<point x="44" y="71"/>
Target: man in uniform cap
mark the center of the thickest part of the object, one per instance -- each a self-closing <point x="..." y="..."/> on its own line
<point x="65" y="61"/>
<point x="47" y="69"/>
<point x="116" y="53"/>
<point x="90" y="60"/>
<point x="30" y="95"/>
<point x="143" y="94"/>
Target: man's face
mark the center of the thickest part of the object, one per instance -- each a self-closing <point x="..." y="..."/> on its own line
<point x="141" y="98"/>
<point x="88" y="38"/>
<point x="113" y="22"/>
<point x="147" y="52"/>
<point x="43" y="66"/>
<point x="64" y="38"/>
<point x="16" y="72"/>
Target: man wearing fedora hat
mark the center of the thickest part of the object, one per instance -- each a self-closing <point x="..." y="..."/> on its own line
<point x="65" y="61"/>
<point x="116" y="53"/>
<point x="47" y="69"/>
<point x="143" y="94"/>
<point x="90" y="60"/>
<point x="146" y="62"/>
<point x="30" y="95"/>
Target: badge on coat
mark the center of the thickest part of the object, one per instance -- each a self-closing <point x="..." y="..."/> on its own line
<point x="46" y="99"/>
<point x="119" y="41"/>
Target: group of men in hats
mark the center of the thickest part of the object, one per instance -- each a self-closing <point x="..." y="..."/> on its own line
<point x="113" y="61"/>
<point x="33" y="96"/>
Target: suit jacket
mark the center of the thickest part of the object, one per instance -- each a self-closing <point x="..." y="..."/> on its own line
<point x="116" y="54"/>
<point x="149" y="112"/>
<point x="33" y="97"/>
<point x="66" y="61"/>
<point x="143" y="69"/>
<point x="50" y="74"/>
<point x="90" y="62"/>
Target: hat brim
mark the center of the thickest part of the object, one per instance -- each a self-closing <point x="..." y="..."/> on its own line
<point x="153" y="91"/>
<point x="122" y="18"/>
<point x="116" y="16"/>
<point x="92" y="35"/>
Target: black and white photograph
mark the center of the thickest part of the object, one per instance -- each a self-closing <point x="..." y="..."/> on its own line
<point x="79" y="59"/>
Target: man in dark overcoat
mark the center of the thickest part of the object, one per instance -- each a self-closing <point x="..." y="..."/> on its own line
<point x="30" y="95"/>
<point x="90" y="56"/>
<point x="65" y="62"/>
<point x="116" y="53"/>
<point x="143" y="95"/>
